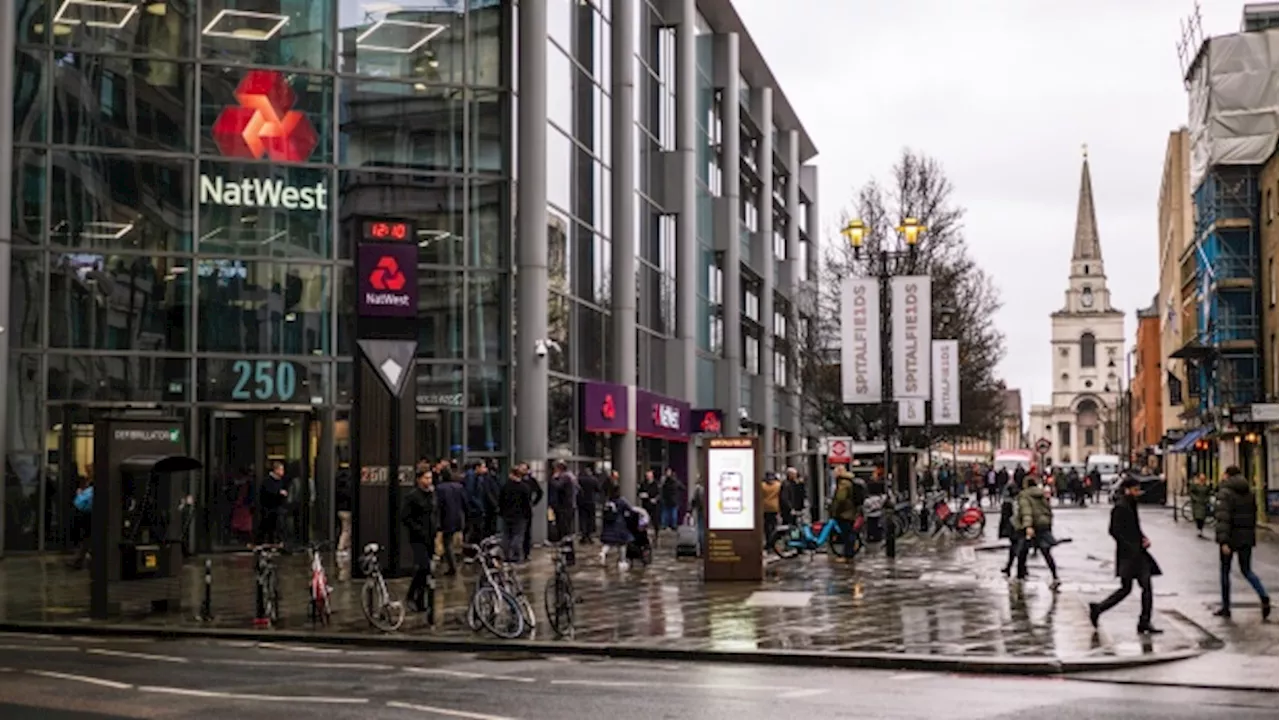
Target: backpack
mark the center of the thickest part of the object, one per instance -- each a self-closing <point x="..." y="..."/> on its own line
<point x="610" y="514"/>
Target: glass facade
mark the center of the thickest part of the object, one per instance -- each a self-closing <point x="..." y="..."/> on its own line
<point x="190" y="181"/>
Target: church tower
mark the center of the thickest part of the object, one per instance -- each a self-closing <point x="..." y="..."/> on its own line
<point x="1087" y="348"/>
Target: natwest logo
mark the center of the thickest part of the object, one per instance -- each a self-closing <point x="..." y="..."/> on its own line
<point x="264" y="123"/>
<point x="666" y="416"/>
<point x="608" y="409"/>
<point x="262" y="192"/>
<point x="386" y="275"/>
<point x="388" y="281"/>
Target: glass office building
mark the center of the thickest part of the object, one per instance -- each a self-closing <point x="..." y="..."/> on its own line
<point x="191" y="180"/>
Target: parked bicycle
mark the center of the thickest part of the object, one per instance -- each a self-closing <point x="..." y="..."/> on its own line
<point x="493" y="606"/>
<point x="1209" y="518"/>
<point x="381" y="608"/>
<point x="968" y="522"/>
<point x="558" y="595"/>
<point x="267" y="584"/>
<point x="321" y="609"/>
<point x="789" y="541"/>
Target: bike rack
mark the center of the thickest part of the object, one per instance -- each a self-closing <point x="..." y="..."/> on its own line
<point x="260" y="620"/>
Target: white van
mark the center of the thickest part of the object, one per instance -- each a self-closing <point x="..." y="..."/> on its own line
<point x="1108" y="467"/>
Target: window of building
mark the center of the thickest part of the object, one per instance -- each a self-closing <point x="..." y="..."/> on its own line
<point x="779" y="369"/>
<point x="1088" y="349"/>
<point x="1064" y="435"/>
<point x="779" y="244"/>
<point x="751" y="353"/>
<point x="779" y="324"/>
<point x="751" y="302"/>
<point x="1088" y="436"/>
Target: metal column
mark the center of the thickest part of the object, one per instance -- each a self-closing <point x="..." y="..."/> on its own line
<point x="729" y="372"/>
<point x="684" y="365"/>
<point x="792" y="268"/>
<point x="8" y="33"/>
<point x="531" y="244"/>
<point x="623" y="228"/>
<point x="763" y="111"/>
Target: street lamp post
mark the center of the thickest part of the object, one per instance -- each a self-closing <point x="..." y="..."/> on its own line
<point x="856" y="232"/>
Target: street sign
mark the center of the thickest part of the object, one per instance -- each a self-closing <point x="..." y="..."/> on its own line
<point x="1043" y="445"/>
<point x="838" y="450"/>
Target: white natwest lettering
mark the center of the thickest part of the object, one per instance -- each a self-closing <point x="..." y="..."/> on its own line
<point x="666" y="416"/>
<point x="262" y="192"/>
<point x="382" y="299"/>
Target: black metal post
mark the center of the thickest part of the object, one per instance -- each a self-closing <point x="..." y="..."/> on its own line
<point x="393" y="489"/>
<point x="886" y="401"/>
<point x="206" y="606"/>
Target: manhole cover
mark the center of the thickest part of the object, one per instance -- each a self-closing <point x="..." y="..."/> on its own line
<point x="778" y="599"/>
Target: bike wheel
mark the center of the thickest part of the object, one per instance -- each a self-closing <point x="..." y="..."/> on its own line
<point x="380" y="609"/>
<point x="782" y="546"/>
<point x="835" y="544"/>
<point x="321" y="608"/>
<point x="560" y="605"/>
<point x="499" y="612"/>
<point x="1186" y="511"/>
<point x="272" y="594"/>
<point x="971" y="531"/>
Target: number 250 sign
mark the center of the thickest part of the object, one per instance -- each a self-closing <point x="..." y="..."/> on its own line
<point x="263" y="380"/>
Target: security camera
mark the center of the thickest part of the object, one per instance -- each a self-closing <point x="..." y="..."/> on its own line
<point x="540" y="348"/>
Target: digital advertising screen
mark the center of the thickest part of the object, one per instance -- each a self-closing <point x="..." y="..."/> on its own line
<point x="731" y="473"/>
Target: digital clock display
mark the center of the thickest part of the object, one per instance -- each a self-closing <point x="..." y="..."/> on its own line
<point x="387" y="231"/>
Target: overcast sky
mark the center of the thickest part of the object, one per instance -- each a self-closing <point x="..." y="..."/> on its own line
<point x="1003" y="93"/>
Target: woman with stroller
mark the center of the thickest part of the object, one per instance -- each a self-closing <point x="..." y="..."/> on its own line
<point x="614" y="533"/>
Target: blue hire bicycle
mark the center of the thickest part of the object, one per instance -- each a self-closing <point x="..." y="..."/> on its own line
<point x="789" y="541"/>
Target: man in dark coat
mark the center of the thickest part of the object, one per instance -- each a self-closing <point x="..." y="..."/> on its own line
<point x="648" y="494"/>
<point x="1133" y="561"/>
<point x="515" y="505"/>
<point x="419" y="518"/>
<point x="451" y="498"/>
<point x="588" y="496"/>
<point x="1237" y="532"/>
<point x="535" y="496"/>
<point x="562" y="498"/>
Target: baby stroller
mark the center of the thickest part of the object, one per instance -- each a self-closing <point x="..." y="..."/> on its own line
<point x="640" y="548"/>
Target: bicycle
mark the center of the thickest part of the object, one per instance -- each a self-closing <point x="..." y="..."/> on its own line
<point x="267" y="584"/>
<point x="789" y="541"/>
<point x="380" y="607"/>
<point x="558" y="595"/>
<point x="321" y="608"/>
<point x="969" y="522"/>
<point x="491" y="606"/>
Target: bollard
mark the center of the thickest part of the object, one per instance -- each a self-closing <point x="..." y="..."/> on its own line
<point x="431" y="601"/>
<point x="206" y="606"/>
<point x="260" y="618"/>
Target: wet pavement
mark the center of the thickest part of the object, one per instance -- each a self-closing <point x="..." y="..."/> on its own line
<point x="940" y="597"/>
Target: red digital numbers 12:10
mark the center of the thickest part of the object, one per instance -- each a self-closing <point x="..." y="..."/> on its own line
<point x="386" y="230"/>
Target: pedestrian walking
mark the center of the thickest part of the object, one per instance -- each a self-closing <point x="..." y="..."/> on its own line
<point x="844" y="510"/>
<point x="795" y="496"/>
<point x="418" y="516"/>
<point x="82" y="521"/>
<point x="1237" y="532"/>
<point x="1133" y="558"/>
<point x="1199" y="494"/>
<point x="535" y="496"/>
<point x="1009" y="519"/>
<point x="1035" y="517"/>
<point x="648" y="493"/>
<point x="770" y="505"/>
<point x="451" y="499"/>
<point x="588" y="500"/>
<point x="515" y="507"/>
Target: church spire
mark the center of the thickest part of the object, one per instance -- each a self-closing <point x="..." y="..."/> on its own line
<point x="1086" y="245"/>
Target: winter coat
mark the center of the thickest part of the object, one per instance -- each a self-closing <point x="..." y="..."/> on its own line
<point x="1007" y="515"/>
<point x="648" y="493"/>
<point x="451" y="499"/>
<point x="613" y="530"/>
<point x="535" y="493"/>
<point x="770" y="496"/>
<point x="1236" y="516"/>
<point x="1034" y="510"/>
<point x="418" y="516"/>
<point x="1132" y="560"/>
<point x="562" y="491"/>
<point x="843" y="507"/>
<point x="515" y="500"/>
<point x="588" y="490"/>
<point x="1199" y="494"/>
<point x="671" y="489"/>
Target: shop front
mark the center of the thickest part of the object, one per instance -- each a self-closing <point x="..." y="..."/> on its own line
<point x="603" y="419"/>
<point x="662" y="430"/>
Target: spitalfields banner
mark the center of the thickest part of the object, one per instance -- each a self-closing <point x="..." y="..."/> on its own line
<point x="860" y="340"/>
<point x="912" y="330"/>
<point x="946" y="382"/>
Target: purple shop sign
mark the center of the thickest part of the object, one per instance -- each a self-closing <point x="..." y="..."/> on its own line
<point x="604" y="407"/>
<point x="658" y="416"/>
<point x="388" y="280"/>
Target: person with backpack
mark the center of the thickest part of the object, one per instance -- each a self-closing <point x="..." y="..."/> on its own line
<point x="1035" y="518"/>
<point x="82" y="521"/>
<point x="1236" y="521"/>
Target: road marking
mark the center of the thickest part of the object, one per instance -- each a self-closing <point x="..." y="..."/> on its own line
<point x="466" y="675"/>
<point x="909" y="676"/>
<point x="136" y="656"/>
<point x="444" y="711"/>
<point x="301" y="665"/>
<point x="802" y="693"/>
<point x="41" y="648"/>
<point x="300" y="648"/>
<point x="681" y="686"/>
<point x="214" y="694"/>
<point x="83" y="679"/>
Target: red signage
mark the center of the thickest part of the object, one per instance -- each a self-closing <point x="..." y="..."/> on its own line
<point x="386" y="231"/>
<point x="388" y="280"/>
<point x="264" y="122"/>
<point x="386" y="275"/>
<point x="608" y="409"/>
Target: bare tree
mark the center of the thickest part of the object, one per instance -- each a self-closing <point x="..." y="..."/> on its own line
<point x="919" y="189"/>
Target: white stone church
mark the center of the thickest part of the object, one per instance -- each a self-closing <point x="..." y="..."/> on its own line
<point x="1088" y="352"/>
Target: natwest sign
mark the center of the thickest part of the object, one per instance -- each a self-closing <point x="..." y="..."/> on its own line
<point x="661" y="417"/>
<point x="261" y="124"/>
<point x="604" y="407"/>
<point x="388" y="280"/>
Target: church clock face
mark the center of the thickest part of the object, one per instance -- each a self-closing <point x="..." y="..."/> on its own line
<point x="1086" y="298"/>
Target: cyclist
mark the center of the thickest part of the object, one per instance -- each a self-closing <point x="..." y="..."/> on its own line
<point x="844" y="509"/>
<point x="419" y="518"/>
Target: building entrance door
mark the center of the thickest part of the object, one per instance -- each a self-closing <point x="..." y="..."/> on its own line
<point x="240" y="448"/>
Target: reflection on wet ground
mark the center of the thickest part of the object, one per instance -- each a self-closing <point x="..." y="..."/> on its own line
<point x="936" y="598"/>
